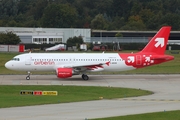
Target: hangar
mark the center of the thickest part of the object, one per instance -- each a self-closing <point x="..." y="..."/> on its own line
<point x="174" y="35"/>
<point x="103" y="36"/>
<point x="47" y="35"/>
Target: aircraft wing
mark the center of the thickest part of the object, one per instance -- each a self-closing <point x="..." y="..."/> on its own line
<point x="85" y="65"/>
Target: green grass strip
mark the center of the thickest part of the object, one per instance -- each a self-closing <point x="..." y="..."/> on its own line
<point x="165" y="115"/>
<point x="10" y="95"/>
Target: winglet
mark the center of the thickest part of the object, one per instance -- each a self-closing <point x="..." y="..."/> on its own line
<point x="159" y="42"/>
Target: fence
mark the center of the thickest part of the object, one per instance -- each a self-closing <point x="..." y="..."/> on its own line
<point x="117" y="39"/>
<point x="11" y="48"/>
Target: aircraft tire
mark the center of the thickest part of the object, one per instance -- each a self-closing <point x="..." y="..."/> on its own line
<point x="85" y="77"/>
<point x="28" y="78"/>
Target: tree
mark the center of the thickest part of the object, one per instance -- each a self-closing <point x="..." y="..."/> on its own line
<point x="146" y="14"/>
<point x="98" y="22"/>
<point x="75" y="41"/>
<point x="171" y="19"/>
<point x="97" y="14"/>
<point x="37" y="10"/>
<point x="118" y="22"/>
<point x="104" y="6"/>
<point x="8" y="8"/>
<point x="154" y="22"/>
<point x="9" y="38"/>
<point x="119" y="34"/>
<point x="120" y="8"/>
<point x="134" y="23"/>
<point x="59" y="16"/>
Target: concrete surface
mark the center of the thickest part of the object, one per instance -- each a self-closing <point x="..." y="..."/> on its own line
<point x="166" y="97"/>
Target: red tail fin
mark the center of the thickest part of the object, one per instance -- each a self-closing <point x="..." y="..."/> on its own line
<point x="158" y="43"/>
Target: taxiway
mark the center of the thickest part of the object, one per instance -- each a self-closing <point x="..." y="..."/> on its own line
<point x="166" y="97"/>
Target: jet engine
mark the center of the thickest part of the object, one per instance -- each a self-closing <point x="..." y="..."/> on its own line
<point x="64" y="72"/>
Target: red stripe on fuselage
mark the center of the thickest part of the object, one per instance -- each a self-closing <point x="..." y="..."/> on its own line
<point x="139" y="60"/>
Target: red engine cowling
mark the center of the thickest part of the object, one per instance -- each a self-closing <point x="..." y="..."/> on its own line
<point x="64" y="72"/>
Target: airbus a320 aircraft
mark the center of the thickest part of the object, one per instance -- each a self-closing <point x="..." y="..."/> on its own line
<point x="69" y="64"/>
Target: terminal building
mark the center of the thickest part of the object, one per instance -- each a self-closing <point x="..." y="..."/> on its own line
<point x="47" y="35"/>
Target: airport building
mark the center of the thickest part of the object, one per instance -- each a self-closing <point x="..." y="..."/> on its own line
<point x="47" y="35"/>
<point x="60" y="35"/>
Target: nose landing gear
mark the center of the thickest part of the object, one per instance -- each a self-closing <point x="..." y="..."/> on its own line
<point x="28" y="77"/>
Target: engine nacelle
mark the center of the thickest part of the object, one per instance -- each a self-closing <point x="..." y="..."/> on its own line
<point x="64" y="72"/>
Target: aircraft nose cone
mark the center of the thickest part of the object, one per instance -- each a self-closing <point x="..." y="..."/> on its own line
<point x="7" y="65"/>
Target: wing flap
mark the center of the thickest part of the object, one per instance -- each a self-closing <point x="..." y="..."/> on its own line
<point x="81" y="65"/>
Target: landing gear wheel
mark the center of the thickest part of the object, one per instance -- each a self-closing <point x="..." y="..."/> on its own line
<point x="82" y="76"/>
<point x="85" y="77"/>
<point x="28" y="78"/>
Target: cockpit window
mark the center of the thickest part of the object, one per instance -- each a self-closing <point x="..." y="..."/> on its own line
<point x="15" y="59"/>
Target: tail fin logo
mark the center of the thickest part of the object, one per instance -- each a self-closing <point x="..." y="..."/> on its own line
<point x="160" y="42"/>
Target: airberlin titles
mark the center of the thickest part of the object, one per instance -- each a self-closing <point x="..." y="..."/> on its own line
<point x="44" y="62"/>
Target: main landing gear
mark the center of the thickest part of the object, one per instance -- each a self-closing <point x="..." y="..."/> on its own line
<point x="28" y="77"/>
<point x="85" y="77"/>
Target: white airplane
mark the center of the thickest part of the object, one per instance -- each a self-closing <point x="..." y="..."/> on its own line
<point x="69" y="64"/>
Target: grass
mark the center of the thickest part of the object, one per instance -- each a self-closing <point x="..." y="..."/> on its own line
<point x="171" y="67"/>
<point x="4" y="57"/>
<point x="10" y="94"/>
<point x="168" y="115"/>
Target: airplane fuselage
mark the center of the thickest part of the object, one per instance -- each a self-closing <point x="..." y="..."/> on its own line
<point x="51" y="61"/>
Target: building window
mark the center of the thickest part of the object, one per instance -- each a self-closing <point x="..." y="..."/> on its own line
<point x="39" y="40"/>
<point x="55" y="40"/>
